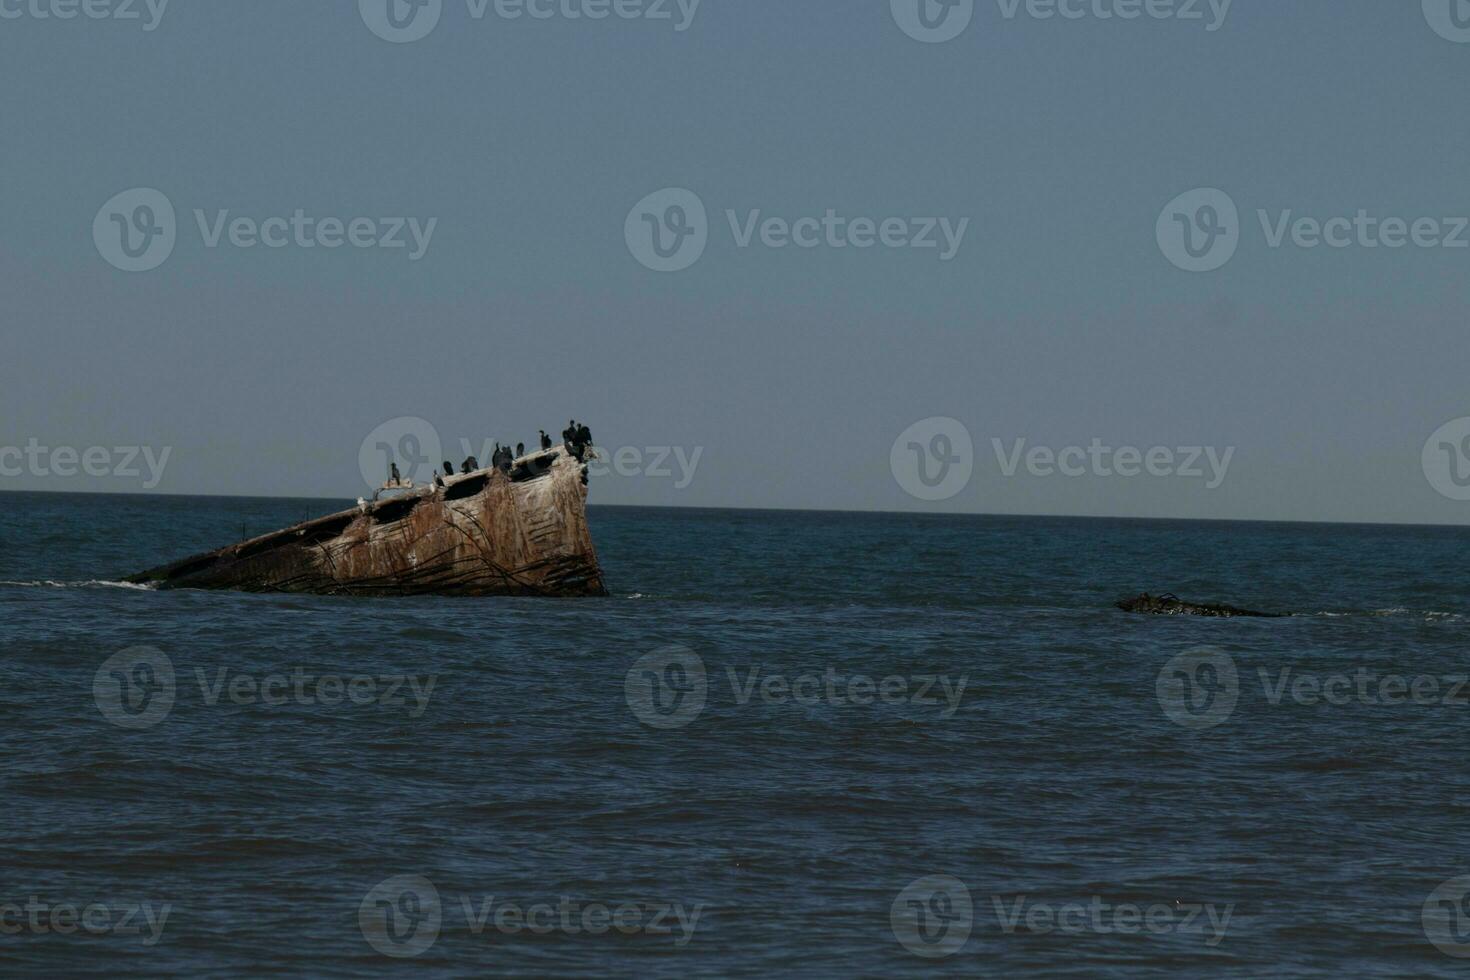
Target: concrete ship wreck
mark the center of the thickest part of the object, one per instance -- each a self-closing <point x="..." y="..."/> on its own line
<point x="520" y="529"/>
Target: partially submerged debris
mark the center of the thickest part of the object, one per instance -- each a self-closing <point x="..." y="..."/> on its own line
<point x="516" y="529"/>
<point x="1170" y="604"/>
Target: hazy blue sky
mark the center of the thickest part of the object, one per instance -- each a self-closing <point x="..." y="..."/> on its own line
<point x="1058" y="320"/>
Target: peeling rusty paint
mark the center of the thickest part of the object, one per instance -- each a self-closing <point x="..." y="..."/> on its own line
<point x="520" y="533"/>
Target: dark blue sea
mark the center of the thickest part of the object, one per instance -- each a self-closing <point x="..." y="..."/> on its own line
<point x="788" y="744"/>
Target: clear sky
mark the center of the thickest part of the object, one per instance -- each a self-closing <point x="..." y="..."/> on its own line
<point x="1058" y="319"/>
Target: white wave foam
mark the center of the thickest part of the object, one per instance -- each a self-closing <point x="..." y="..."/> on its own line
<point x="95" y="583"/>
<point x="1434" y="615"/>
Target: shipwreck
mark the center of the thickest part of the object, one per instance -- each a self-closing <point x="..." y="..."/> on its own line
<point x="515" y="529"/>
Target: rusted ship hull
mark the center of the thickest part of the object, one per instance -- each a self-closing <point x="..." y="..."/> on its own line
<point x="484" y="533"/>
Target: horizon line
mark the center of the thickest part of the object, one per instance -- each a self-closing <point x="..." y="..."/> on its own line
<point x="789" y="510"/>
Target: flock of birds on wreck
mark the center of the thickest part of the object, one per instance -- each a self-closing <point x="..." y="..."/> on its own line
<point x="576" y="438"/>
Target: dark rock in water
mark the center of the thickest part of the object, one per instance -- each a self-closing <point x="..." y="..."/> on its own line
<point x="1170" y="604"/>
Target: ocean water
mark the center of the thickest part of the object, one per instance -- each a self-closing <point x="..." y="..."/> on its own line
<point x="788" y="744"/>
